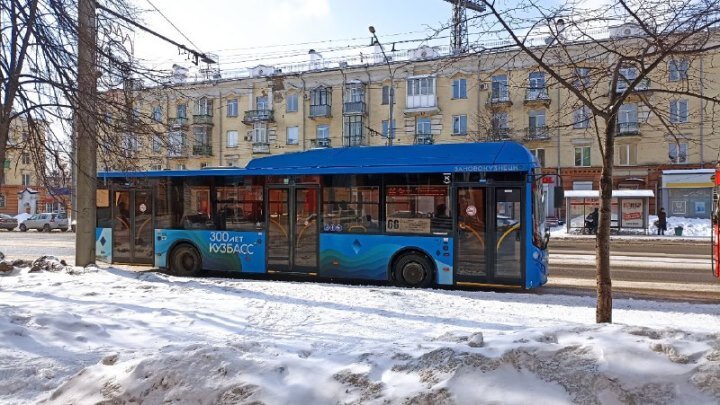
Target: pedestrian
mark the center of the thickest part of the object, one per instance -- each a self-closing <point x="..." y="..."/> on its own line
<point x="662" y="222"/>
<point x="595" y="218"/>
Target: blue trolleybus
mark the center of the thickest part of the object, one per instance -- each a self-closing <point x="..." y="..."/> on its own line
<point x="453" y="215"/>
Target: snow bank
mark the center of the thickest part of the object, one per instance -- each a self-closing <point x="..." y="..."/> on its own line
<point x="117" y="336"/>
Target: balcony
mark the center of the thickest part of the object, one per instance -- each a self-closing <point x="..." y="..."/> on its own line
<point x="261" y="148"/>
<point x="537" y="134"/>
<point x="354" y="108"/>
<point x="202" y="150"/>
<point x="320" y="143"/>
<point x="177" y="153"/>
<point x="537" y="97"/>
<point x="203" y="119"/>
<point x="627" y="129"/>
<point x="322" y="110"/>
<point x="178" y="123"/>
<point x="426" y="103"/>
<point x="423" y="139"/>
<point x="499" y="100"/>
<point x="253" y="116"/>
<point x="500" y="134"/>
<point x="643" y="86"/>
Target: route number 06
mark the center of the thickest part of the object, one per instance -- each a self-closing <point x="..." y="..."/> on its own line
<point x="393" y="224"/>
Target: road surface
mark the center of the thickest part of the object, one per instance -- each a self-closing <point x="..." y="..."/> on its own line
<point x="661" y="269"/>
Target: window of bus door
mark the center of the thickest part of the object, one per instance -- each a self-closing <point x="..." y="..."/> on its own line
<point x="471" y="257"/>
<point x="306" y="227"/>
<point x="508" y="234"/>
<point x="278" y="228"/>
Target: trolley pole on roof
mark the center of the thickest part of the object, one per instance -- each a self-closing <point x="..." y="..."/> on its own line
<point x="85" y="125"/>
<point x="391" y="92"/>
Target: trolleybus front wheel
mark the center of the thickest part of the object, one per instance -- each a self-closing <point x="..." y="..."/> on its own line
<point x="185" y="261"/>
<point x="413" y="270"/>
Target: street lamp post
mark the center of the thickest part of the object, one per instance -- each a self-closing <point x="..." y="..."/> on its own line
<point x="391" y="92"/>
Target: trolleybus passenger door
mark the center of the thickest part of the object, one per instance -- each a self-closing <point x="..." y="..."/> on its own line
<point x="471" y="261"/>
<point x="132" y="234"/>
<point x="508" y="244"/>
<point x="278" y="233"/>
<point x="293" y="229"/>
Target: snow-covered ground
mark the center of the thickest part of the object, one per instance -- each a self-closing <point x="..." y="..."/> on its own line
<point x="692" y="228"/>
<point x="117" y="336"/>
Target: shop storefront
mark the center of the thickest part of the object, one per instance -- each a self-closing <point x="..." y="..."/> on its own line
<point x="687" y="193"/>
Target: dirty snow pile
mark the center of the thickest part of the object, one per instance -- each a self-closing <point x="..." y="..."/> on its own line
<point x="113" y="336"/>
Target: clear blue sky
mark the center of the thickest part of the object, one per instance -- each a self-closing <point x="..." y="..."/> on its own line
<point x="226" y="26"/>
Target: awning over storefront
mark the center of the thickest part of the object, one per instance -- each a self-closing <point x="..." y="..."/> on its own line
<point x="694" y="178"/>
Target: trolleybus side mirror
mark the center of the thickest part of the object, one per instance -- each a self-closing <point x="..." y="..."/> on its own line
<point x="559" y="197"/>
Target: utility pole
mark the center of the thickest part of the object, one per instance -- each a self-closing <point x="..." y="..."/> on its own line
<point x="459" y="42"/>
<point x="86" y="135"/>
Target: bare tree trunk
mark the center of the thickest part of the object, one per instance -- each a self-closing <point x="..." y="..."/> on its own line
<point x="4" y="137"/>
<point x="86" y="140"/>
<point x="603" y="312"/>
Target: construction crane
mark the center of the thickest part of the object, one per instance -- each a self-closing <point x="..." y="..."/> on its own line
<point x="459" y="39"/>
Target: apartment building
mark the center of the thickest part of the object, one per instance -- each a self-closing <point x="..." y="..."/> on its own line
<point x="477" y="98"/>
<point x="23" y="190"/>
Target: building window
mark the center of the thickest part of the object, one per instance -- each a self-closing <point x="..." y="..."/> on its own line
<point x="421" y="92"/>
<point x="202" y="137"/>
<point x="180" y="166"/>
<point x="536" y="123"/>
<point x="582" y="78"/>
<point x="260" y="133"/>
<point x="678" y="111"/>
<point x="353" y="130"/>
<point x="262" y="103"/>
<point x="459" y="88"/>
<point x="581" y="118"/>
<point x="232" y="162"/>
<point x="678" y="70"/>
<point x="176" y="143"/>
<point x="539" y="155"/>
<point x="232" y="107"/>
<point x="354" y="93"/>
<point x="156" y="143"/>
<point x="628" y="119"/>
<point x="321" y="96"/>
<point x="678" y="152"/>
<point x="499" y="90"/>
<point x="181" y="111"/>
<point x="582" y="156"/>
<point x="293" y="135"/>
<point x="291" y="104"/>
<point x="156" y="167"/>
<point x="157" y="114"/>
<point x="387" y="91"/>
<point x="130" y="143"/>
<point x="627" y="75"/>
<point x="25" y="179"/>
<point x="627" y="154"/>
<point x="385" y="128"/>
<point x="25" y="158"/>
<point x="460" y="124"/>
<point x="2" y="200"/>
<point x="322" y="132"/>
<point x="536" y="86"/>
<point x="423" y="126"/>
<point x="204" y="106"/>
<point x="232" y="139"/>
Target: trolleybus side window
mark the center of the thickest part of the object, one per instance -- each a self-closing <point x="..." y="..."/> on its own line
<point x="351" y="204"/>
<point x="238" y="205"/>
<point x="417" y="204"/>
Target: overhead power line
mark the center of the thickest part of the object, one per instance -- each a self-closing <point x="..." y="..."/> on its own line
<point x="199" y="56"/>
<point x="173" y="25"/>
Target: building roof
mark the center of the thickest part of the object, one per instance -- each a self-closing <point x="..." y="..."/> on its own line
<point x="444" y="158"/>
<point x="615" y="193"/>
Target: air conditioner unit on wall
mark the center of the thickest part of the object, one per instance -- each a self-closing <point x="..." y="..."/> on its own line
<point x="483" y="86"/>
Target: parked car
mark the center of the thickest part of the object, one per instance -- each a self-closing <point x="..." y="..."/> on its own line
<point x="8" y="222"/>
<point x="46" y="222"/>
